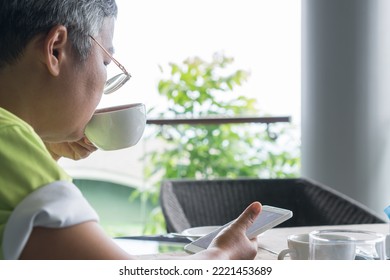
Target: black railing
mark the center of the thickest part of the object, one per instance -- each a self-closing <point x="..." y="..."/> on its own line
<point x="223" y="120"/>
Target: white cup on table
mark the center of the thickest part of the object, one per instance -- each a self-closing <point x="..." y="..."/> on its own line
<point x="345" y="244"/>
<point x="298" y="247"/>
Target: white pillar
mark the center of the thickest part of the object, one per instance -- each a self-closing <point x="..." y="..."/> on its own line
<point x="346" y="97"/>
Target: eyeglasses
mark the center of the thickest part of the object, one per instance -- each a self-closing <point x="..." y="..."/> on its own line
<point x="117" y="81"/>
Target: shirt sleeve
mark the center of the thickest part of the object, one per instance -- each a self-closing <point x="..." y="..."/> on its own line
<point x="57" y="205"/>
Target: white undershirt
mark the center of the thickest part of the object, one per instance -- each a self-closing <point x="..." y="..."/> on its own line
<point x="56" y="205"/>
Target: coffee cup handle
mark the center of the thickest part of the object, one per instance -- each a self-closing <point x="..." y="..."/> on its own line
<point x="285" y="252"/>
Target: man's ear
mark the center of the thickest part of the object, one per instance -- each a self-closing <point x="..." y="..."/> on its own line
<point x="55" y="48"/>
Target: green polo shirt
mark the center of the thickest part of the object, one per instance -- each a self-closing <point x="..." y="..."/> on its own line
<point x="25" y="167"/>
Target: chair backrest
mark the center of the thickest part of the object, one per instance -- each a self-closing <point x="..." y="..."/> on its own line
<point x="192" y="203"/>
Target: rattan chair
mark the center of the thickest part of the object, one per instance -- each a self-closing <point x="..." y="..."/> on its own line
<point x="192" y="203"/>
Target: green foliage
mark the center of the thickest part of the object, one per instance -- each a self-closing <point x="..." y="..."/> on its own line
<point x="197" y="88"/>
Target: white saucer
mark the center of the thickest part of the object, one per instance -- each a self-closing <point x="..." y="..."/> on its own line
<point x="196" y="232"/>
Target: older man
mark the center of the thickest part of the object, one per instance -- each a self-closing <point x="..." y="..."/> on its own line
<point x="53" y="58"/>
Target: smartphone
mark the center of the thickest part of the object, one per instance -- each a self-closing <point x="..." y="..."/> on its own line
<point x="269" y="217"/>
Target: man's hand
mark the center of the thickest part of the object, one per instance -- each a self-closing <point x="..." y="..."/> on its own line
<point x="73" y="150"/>
<point x="233" y="242"/>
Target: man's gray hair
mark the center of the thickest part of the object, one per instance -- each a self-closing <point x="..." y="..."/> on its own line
<point x="21" y="20"/>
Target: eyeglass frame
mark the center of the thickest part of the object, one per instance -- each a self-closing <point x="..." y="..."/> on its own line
<point x="117" y="83"/>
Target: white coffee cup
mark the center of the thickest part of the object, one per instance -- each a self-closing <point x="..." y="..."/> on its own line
<point x="298" y="247"/>
<point x="117" y="127"/>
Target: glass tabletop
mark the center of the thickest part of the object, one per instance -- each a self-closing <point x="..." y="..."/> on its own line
<point x="146" y="245"/>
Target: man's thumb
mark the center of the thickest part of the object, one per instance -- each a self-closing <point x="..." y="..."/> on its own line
<point x="249" y="215"/>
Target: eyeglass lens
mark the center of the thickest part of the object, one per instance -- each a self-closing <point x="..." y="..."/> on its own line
<point x="115" y="83"/>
